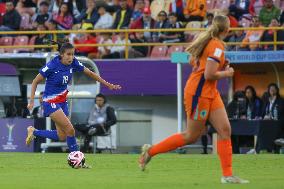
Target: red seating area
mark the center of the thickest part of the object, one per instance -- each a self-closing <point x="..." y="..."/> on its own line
<point x="16" y="41"/>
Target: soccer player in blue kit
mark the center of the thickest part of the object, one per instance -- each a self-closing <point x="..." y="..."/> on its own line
<point x="58" y="73"/>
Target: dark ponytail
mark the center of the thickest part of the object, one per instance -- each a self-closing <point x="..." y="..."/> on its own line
<point x="62" y="45"/>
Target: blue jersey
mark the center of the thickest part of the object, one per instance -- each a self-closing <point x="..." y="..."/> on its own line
<point x="57" y="77"/>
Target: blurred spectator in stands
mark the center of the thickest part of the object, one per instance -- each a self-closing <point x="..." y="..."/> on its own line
<point x="281" y="19"/>
<point x="273" y="107"/>
<point x="253" y="104"/>
<point x="255" y="7"/>
<point x="87" y="38"/>
<point x="11" y="19"/>
<point x="161" y="24"/>
<point x="209" y="20"/>
<point x="117" y="51"/>
<point x="122" y="16"/>
<point x="138" y="51"/>
<point x="268" y="35"/>
<point x="113" y="6"/>
<point x="89" y="16"/>
<point x="195" y="10"/>
<point x="106" y="20"/>
<point x="26" y="6"/>
<point x="233" y="22"/>
<point x="105" y="39"/>
<point x="101" y="118"/>
<point x="138" y="10"/>
<point x="173" y="37"/>
<point x="74" y="6"/>
<point x="268" y="12"/>
<point x="280" y="37"/>
<point x="63" y="17"/>
<point x="43" y="16"/>
<point x="52" y="26"/>
<point x="237" y="107"/>
<point x="38" y="111"/>
<point x="253" y="35"/>
<point x="177" y="6"/>
<point x="42" y="39"/>
<point x="236" y="11"/>
<point x="145" y="22"/>
<point x="238" y="36"/>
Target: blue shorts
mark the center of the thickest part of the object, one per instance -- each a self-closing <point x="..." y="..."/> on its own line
<point x="49" y="108"/>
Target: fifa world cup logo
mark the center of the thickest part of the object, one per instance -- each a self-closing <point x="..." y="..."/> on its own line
<point x="10" y="129"/>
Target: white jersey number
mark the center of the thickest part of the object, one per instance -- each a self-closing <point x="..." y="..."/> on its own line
<point x="65" y="79"/>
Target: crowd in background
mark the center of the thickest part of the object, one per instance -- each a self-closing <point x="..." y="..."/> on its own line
<point x="246" y="105"/>
<point x="44" y="15"/>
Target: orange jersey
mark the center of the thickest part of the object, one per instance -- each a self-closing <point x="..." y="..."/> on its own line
<point x="196" y="84"/>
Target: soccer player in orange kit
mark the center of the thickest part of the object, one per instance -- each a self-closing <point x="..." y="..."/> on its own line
<point x="203" y="101"/>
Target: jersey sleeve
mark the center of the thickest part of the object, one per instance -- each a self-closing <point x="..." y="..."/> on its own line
<point x="215" y="51"/>
<point x="77" y="66"/>
<point x="45" y="71"/>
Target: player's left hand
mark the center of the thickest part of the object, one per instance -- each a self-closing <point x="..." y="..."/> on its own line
<point x="114" y="87"/>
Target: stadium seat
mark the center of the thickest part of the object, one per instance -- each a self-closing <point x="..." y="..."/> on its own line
<point x="21" y="40"/>
<point x="189" y="35"/>
<point x="99" y="38"/>
<point x="174" y="49"/>
<point x="210" y="4"/>
<point x="7" y="41"/>
<point x="25" y="22"/>
<point x="222" y="4"/>
<point x="159" y="51"/>
<point x="114" y="38"/>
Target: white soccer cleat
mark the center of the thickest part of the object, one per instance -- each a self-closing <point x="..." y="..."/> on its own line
<point x="30" y="135"/>
<point x="233" y="180"/>
<point x="144" y="157"/>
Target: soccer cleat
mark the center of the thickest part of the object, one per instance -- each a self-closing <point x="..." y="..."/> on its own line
<point x="279" y="141"/>
<point x="144" y="157"/>
<point x="30" y="135"/>
<point x="233" y="180"/>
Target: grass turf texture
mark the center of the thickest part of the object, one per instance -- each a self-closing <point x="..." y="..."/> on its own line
<point x="39" y="171"/>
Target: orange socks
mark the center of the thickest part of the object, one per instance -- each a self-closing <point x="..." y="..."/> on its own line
<point x="170" y="143"/>
<point x="224" y="149"/>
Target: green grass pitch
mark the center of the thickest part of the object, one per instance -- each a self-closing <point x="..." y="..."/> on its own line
<point x="40" y="171"/>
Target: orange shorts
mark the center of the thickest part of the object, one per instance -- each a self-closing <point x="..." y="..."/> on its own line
<point x="198" y="108"/>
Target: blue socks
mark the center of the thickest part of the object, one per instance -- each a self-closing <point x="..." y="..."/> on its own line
<point x="72" y="144"/>
<point x="51" y="134"/>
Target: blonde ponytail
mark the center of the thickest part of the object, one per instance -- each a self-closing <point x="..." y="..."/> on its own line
<point x="219" y="25"/>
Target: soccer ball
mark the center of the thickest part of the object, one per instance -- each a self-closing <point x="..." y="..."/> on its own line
<point x="76" y="159"/>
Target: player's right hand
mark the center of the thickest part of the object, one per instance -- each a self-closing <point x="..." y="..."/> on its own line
<point x="230" y="71"/>
<point x="30" y="105"/>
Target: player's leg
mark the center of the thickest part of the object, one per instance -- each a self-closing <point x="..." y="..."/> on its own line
<point x="197" y="113"/>
<point x="219" y="119"/>
<point x="49" y="108"/>
<point x="65" y="129"/>
<point x="192" y="133"/>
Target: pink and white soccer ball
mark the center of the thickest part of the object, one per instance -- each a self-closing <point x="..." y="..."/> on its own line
<point x="76" y="159"/>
